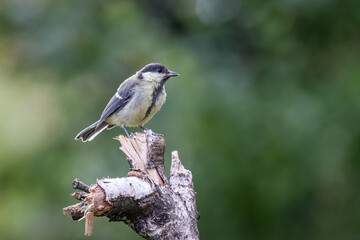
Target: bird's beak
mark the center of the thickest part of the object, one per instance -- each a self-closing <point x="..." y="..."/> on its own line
<point x="173" y="74"/>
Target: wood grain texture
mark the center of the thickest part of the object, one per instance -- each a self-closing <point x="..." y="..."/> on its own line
<point x="152" y="205"/>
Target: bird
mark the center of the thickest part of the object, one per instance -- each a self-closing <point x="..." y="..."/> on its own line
<point x="134" y="103"/>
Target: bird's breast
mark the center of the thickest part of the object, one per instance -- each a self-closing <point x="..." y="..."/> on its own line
<point x="141" y="108"/>
<point x="157" y="100"/>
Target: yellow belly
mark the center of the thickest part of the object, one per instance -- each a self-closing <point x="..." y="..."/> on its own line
<point x="133" y="114"/>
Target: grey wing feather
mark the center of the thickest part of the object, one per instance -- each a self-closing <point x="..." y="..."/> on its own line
<point x="125" y="91"/>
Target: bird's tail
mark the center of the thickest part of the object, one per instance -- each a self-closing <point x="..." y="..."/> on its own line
<point x="91" y="131"/>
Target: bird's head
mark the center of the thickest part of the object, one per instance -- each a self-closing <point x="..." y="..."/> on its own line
<point x="155" y="72"/>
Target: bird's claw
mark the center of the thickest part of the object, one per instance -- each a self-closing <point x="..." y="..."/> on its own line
<point x="144" y="128"/>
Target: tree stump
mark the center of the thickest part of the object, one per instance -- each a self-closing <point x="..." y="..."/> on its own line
<point x="152" y="205"/>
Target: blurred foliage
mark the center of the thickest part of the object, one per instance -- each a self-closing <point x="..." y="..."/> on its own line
<point x="265" y="113"/>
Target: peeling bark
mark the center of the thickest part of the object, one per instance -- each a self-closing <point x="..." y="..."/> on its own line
<point x="145" y="200"/>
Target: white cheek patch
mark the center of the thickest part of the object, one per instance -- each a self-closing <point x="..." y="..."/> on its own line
<point x="152" y="76"/>
<point x="118" y="96"/>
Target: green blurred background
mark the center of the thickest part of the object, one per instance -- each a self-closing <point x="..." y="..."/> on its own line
<point x="265" y="114"/>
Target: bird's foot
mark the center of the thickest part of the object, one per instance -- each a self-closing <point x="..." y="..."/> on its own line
<point x="126" y="132"/>
<point x="143" y="128"/>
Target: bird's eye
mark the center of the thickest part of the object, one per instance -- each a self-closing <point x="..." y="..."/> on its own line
<point x="159" y="70"/>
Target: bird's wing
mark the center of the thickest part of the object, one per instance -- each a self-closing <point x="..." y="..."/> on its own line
<point x="119" y="100"/>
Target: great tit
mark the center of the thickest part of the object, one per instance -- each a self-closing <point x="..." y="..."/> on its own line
<point x="135" y="102"/>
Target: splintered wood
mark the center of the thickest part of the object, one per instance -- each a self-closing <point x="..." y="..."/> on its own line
<point x="154" y="206"/>
<point x="89" y="222"/>
<point x="137" y="150"/>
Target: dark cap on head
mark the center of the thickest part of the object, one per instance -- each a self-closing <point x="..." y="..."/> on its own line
<point x="157" y="68"/>
<point x="154" y="67"/>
